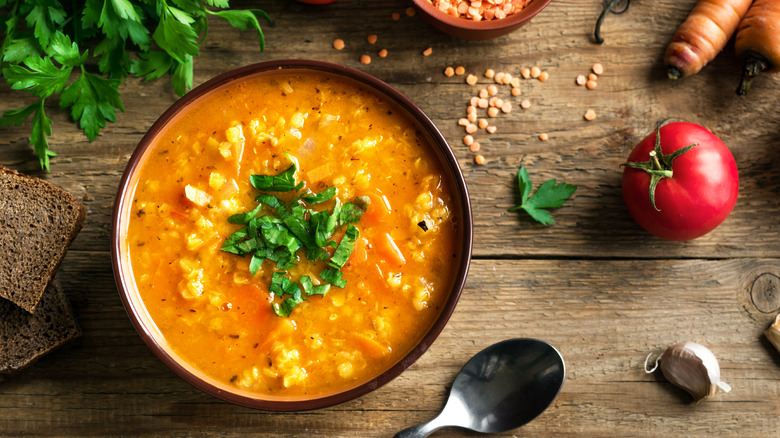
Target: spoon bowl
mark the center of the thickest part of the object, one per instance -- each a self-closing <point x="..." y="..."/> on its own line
<point x="501" y="388"/>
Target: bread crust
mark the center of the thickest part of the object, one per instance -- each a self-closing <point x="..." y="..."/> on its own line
<point x="25" y="337"/>
<point x="38" y="222"/>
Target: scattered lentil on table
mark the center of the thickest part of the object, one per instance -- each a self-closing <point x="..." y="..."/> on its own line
<point x="338" y="44"/>
<point x="383" y="53"/>
<point x="365" y="59"/>
<point x="590" y="115"/>
<point x="371" y="39"/>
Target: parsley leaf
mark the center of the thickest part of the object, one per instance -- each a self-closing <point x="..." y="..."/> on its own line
<point x="317" y="198"/>
<point x="351" y="212"/>
<point x="175" y="35"/>
<point x="283" y="182"/>
<point x="41" y="77"/>
<point x="94" y="100"/>
<point x="310" y="288"/>
<point x="345" y="247"/>
<point x="152" y="65"/>
<point x="245" y="19"/>
<point x="333" y="276"/>
<point x="548" y="195"/>
<point x="18" y="49"/>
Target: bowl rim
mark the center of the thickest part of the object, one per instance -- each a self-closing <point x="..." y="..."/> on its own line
<point x="445" y="156"/>
<point x="526" y="14"/>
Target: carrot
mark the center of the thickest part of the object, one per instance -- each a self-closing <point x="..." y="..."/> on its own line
<point x="370" y="346"/>
<point x="359" y="254"/>
<point x="389" y="250"/>
<point x="319" y="173"/>
<point x="758" y="40"/>
<point x="703" y="35"/>
<point x="378" y="209"/>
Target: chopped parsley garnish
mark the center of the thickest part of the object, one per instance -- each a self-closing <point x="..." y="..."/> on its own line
<point x="275" y="231"/>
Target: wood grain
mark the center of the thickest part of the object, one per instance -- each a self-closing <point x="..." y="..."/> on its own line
<point x="595" y="285"/>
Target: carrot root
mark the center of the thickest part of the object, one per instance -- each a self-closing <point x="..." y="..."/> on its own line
<point x="673" y="72"/>
<point x="753" y="67"/>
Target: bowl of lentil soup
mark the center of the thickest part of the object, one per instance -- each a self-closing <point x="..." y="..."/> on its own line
<point x="291" y="235"/>
<point x="478" y="19"/>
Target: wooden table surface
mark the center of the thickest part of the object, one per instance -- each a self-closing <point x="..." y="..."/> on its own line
<point x="594" y="284"/>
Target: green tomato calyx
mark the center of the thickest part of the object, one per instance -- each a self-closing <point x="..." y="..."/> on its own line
<point x="659" y="166"/>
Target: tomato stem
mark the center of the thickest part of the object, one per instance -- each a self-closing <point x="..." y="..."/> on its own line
<point x="659" y="166"/>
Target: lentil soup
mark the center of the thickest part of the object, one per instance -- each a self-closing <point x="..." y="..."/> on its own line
<point x="207" y="305"/>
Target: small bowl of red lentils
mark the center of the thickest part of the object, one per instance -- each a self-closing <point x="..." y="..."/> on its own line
<point x="478" y="19"/>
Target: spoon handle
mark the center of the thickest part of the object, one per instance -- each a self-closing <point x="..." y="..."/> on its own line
<point x="421" y="430"/>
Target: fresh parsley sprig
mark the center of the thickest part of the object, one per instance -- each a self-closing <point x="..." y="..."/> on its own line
<point x="41" y="53"/>
<point x="287" y="228"/>
<point x="548" y="195"/>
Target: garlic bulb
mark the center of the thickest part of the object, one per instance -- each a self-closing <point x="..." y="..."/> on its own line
<point x="773" y="333"/>
<point x="692" y="367"/>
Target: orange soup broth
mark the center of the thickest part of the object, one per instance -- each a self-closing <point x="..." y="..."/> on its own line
<point x="217" y="316"/>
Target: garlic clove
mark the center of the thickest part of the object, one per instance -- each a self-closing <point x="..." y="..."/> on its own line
<point x="694" y="368"/>
<point x="773" y="333"/>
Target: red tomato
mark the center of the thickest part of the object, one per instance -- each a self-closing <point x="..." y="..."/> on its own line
<point x="693" y="195"/>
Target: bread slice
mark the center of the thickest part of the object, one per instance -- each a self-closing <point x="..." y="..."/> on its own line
<point x="37" y="224"/>
<point x="25" y="337"/>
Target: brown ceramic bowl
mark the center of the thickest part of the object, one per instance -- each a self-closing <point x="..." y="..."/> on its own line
<point x="140" y="316"/>
<point x="477" y="30"/>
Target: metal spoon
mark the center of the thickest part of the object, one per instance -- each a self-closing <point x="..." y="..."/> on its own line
<point x="501" y="388"/>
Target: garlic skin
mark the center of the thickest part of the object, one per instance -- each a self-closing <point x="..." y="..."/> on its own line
<point x="692" y="367"/>
<point x="773" y="333"/>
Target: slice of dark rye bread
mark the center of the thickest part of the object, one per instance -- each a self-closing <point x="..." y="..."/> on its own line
<point x="25" y="337"/>
<point x="37" y="224"/>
